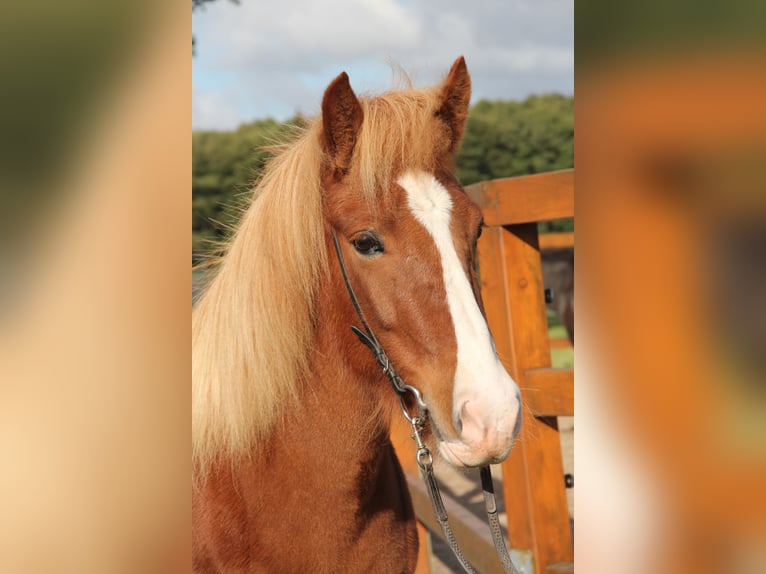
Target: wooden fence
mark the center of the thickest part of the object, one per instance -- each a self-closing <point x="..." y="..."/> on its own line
<point x="539" y="529"/>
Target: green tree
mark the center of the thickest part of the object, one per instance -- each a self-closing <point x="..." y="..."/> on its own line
<point x="502" y="139"/>
<point x="225" y="166"/>
<point x="508" y="138"/>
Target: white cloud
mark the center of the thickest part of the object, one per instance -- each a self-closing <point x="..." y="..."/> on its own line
<point x="275" y="58"/>
<point x="356" y="28"/>
<point x="304" y="31"/>
<point x="211" y="109"/>
<point x="543" y="59"/>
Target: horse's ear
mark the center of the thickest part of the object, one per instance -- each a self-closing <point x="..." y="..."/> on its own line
<point x="454" y="101"/>
<point x="341" y="119"/>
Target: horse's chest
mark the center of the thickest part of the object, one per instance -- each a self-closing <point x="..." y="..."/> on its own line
<point x="255" y="521"/>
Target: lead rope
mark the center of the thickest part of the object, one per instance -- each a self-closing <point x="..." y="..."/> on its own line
<point x="494" y="522"/>
<point x="425" y="463"/>
<point x="423" y="455"/>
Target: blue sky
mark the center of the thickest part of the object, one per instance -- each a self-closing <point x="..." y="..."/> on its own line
<point x="274" y="58"/>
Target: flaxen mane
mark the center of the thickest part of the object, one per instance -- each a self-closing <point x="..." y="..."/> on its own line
<point x="253" y="329"/>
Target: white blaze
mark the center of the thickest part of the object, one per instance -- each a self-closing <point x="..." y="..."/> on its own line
<point x="479" y="377"/>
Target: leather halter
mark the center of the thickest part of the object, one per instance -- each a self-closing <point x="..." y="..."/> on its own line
<point x="423" y="456"/>
<point x="368" y="338"/>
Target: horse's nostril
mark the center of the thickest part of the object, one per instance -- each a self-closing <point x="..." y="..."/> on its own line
<point x="466" y="420"/>
<point x="458" y="424"/>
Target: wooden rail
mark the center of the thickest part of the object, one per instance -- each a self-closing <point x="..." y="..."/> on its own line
<point x="525" y="199"/>
<point x="512" y="288"/>
<point x="556" y="241"/>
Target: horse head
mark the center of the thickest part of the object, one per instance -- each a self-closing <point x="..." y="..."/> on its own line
<point x="408" y="234"/>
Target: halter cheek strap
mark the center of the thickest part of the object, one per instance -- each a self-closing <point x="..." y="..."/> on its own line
<point x="423" y="456"/>
<point x="368" y="338"/>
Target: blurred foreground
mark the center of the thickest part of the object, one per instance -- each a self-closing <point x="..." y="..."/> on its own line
<point x="94" y="305"/>
<point x="671" y="282"/>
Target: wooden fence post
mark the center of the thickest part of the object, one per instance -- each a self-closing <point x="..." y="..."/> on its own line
<point x="513" y="293"/>
<point x="535" y="498"/>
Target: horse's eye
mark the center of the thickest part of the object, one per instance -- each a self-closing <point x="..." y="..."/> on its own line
<point x="368" y="244"/>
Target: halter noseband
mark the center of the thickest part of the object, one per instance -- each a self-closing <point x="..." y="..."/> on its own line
<point x="423" y="456"/>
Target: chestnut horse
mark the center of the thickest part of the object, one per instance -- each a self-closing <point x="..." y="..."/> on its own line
<point x="293" y="467"/>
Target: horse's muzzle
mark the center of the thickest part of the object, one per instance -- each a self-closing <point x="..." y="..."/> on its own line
<point x="487" y="432"/>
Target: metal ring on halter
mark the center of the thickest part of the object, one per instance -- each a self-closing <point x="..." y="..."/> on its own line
<point x="425" y="458"/>
<point x="422" y="408"/>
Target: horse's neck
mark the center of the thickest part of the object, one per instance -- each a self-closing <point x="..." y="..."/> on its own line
<point x="348" y="401"/>
<point x="328" y="482"/>
<point x="339" y="440"/>
<point x="333" y="466"/>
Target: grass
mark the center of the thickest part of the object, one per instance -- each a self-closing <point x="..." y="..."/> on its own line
<point x="560" y="358"/>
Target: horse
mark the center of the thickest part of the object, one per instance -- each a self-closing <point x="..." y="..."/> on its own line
<point x="558" y="275"/>
<point x="293" y="468"/>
